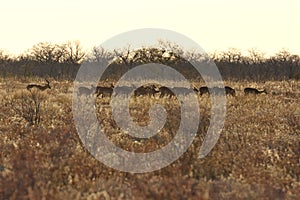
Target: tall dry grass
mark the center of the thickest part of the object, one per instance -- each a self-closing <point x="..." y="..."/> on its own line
<point x="256" y="157"/>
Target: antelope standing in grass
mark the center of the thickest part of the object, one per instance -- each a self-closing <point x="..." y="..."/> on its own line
<point x="217" y="90"/>
<point x="254" y="91"/>
<point x="85" y="91"/>
<point x="203" y="90"/>
<point x="185" y="91"/>
<point x="124" y="90"/>
<point x="104" y="91"/>
<point x="150" y="90"/>
<point x="229" y="90"/>
<point x="165" y="92"/>
<point x="40" y="87"/>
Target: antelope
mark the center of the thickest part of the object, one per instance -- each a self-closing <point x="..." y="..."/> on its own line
<point x="229" y="90"/>
<point x="195" y="89"/>
<point x="104" y="91"/>
<point x="40" y="87"/>
<point x="146" y="90"/>
<point x="185" y="91"/>
<point x="124" y="90"/>
<point x="85" y="91"/>
<point x="217" y="90"/>
<point x="164" y="91"/>
<point x="254" y="91"/>
<point x="203" y="90"/>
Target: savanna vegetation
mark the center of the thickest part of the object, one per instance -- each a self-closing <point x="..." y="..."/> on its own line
<point x="256" y="157"/>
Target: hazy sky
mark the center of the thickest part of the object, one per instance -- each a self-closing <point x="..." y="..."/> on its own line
<point x="214" y="24"/>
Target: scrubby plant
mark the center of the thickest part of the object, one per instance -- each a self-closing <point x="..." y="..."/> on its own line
<point x="256" y="156"/>
<point x="28" y="105"/>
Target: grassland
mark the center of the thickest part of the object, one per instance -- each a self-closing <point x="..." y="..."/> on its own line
<point x="256" y="157"/>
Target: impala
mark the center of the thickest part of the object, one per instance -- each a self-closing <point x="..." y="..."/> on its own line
<point x="229" y="90"/>
<point x="165" y="92"/>
<point x="104" y="91"/>
<point x="40" y="87"/>
<point x="146" y="90"/>
<point x="254" y="91"/>
<point x="85" y="91"/>
<point x="203" y="90"/>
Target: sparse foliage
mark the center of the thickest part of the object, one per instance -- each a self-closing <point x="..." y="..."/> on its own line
<point x="47" y="53"/>
<point x="63" y="60"/>
<point x="28" y="105"/>
<point x="99" y="54"/>
<point x="256" y="157"/>
<point x="74" y="54"/>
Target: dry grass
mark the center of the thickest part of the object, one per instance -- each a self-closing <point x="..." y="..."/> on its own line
<point x="256" y="157"/>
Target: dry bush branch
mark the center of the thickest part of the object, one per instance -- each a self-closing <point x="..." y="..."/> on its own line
<point x="28" y="105"/>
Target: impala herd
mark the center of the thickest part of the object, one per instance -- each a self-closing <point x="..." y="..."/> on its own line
<point x="164" y="92"/>
<point x="150" y="90"/>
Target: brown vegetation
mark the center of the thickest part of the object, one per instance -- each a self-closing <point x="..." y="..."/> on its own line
<point x="62" y="61"/>
<point x="256" y="157"/>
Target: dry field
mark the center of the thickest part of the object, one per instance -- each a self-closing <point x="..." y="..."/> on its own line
<point x="256" y="157"/>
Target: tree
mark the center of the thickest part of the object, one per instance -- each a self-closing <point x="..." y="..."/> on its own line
<point x="4" y="57"/>
<point x="255" y="56"/>
<point x="124" y="56"/>
<point x="98" y="54"/>
<point x="47" y="53"/>
<point x="232" y="56"/>
<point x="73" y="53"/>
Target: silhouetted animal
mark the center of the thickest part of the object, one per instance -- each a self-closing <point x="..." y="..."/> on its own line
<point x="124" y="90"/>
<point x="40" y="87"/>
<point x="85" y="91"/>
<point x="195" y="90"/>
<point x="229" y="90"/>
<point x="254" y="91"/>
<point x="203" y="90"/>
<point x="104" y="91"/>
<point x="217" y="90"/>
<point x="150" y="90"/>
<point x="185" y="91"/>
<point x="165" y="92"/>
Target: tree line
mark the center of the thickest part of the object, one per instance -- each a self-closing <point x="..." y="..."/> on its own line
<point x="62" y="61"/>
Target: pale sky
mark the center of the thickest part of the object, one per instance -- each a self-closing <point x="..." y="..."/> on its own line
<point x="268" y="25"/>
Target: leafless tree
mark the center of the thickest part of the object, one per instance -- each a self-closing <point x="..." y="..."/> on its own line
<point x="74" y="53"/>
<point x="255" y="57"/>
<point x="99" y="54"/>
<point x="47" y="53"/>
